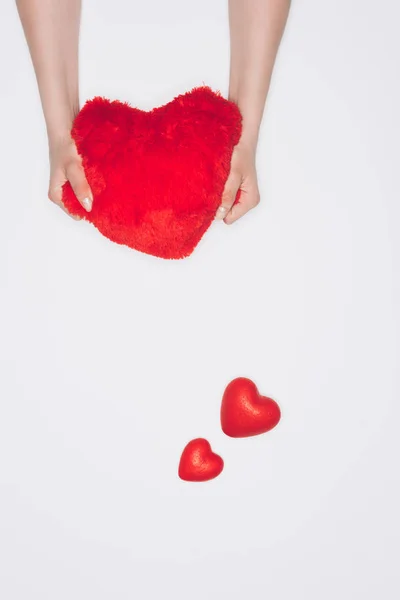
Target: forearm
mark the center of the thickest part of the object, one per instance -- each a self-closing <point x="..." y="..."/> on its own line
<point x="52" y="31"/>
<point x="256" y="29"/>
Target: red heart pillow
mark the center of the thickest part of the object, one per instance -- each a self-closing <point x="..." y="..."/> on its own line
<point x="157" y="177"/>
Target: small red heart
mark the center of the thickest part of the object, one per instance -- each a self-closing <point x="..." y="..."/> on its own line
<point x="198" y="462"/>
<point x="157" y="177"/>
<point x="244" y="412"/>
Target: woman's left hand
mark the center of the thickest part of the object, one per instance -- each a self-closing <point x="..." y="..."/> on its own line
<point x="243" y="177"/>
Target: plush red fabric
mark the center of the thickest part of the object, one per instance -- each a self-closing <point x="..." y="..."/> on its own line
<point x="157" y="177"/>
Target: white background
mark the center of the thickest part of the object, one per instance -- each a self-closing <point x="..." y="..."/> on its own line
<point x="111" y="361"/>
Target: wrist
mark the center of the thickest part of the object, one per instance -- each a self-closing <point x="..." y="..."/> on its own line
<point x="59" y="133"/>
<point x="250" y="124"/>
<point x="58" y="140"/>
<point x="249" y="138"/>
<point x="59" y="122"/>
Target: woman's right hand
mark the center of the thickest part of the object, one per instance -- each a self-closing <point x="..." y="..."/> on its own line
<point x="52" y="32"/>
<point x="66" y="165"/>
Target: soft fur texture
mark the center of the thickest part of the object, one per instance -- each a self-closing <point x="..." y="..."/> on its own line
<point x="157" y="177"/>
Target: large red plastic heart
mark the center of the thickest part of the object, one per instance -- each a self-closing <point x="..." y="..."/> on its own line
<point x="198" y="462"/>
<point x="244" y="412"/>
<point x="158" y="176"/>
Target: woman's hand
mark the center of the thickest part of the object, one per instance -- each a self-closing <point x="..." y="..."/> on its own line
<point x="66" y="165"/>
<point x="243" y="177"/>
<point x="52" y="31"/>
<point x="256" y="30"/>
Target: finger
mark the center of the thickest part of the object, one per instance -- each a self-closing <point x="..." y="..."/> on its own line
<point x="229" y="195"/>
<point x="246" y="203"/>
<point x="76" y="177"/>
<point x="55" y="195"/>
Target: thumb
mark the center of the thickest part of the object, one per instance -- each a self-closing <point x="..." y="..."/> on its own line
<point x="232" y="186"/>
<point x="80" y="186"/>
<point x="55" y="194"/>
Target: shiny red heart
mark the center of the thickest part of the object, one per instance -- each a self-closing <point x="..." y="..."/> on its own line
<point x="244" y="412"/>
<point x="157" y="177"/>
<point x="198" y="462"/>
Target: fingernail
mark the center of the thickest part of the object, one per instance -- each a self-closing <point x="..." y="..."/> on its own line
<point x="221" y="212"/>
<point x="87" y="204"/>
